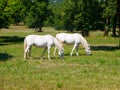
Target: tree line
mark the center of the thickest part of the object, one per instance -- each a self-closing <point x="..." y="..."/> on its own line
<point x="70" y="15"/>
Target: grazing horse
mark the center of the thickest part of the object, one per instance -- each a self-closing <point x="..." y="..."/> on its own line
<point x="75" y="39"/>
<point x="43" y="41"/>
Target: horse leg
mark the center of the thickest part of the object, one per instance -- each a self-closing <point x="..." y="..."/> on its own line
<point x="49" y="52"/>
<point x="25" y="54"/>
<point x="55" y="51"/>
<point x="29" y="52"/>
<point x="77" y="50"/>
<point x="73" y="50"/>
<point x="43" y="52"/>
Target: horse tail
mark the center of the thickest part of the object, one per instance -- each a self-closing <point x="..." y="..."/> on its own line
<point x="25" y="44"/>
<point x="56" y="37"/>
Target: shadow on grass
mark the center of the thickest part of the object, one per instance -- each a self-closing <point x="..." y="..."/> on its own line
<point x="74" y="54"/>
<point x="105" y="48"/>
<point x="44" y="58"/>
<point x="11" y="39"/>
<point x="5" y="56"/>
<point x="2" y="44"/>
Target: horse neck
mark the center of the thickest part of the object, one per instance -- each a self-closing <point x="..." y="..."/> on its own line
<point x="57" y="44"/>
<point x="84" y="43"/>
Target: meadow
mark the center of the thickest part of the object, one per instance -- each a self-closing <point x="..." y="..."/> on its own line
<point x="99" y="71"/>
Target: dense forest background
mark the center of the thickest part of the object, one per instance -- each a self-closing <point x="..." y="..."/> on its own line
<point x="70" y="15"/>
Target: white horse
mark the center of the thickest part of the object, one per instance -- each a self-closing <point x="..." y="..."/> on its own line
<point x="75" y="39"/>
<point x="43" y="41"/>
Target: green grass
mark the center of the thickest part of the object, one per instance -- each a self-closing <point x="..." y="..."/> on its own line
<point x="100" y="71"/>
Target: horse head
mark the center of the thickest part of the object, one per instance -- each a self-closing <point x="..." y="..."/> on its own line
<point x="61" y="53"/>
<point x="88" y="51"/>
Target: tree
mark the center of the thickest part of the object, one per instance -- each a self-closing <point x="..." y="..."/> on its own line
<point x="11" y="12"/>
<point x="56" y="19"/>
<point x="118" y="14"/>
<point x="37" y="14"/>
<point x="16" y="8"/>
<point x="87" y="16"/>
<point x="109" y="10"/>
<point x="80" y="15"/>
<point x="116" y="19"/>
<point x="4" y="15"/>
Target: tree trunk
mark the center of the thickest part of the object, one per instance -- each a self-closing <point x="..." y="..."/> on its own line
<point x="114" y="26"/>
<point x="39" y="29"/>
<point x="107" y="27"/>
<point x="118" y="13"/>
<point x="119" y="27"/>
<point x="85" y="33"/>
<point x="71" y="30"/>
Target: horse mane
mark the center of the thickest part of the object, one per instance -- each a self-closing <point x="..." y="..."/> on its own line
<point x="83" y="41"/>
<point x="57" y="43"/>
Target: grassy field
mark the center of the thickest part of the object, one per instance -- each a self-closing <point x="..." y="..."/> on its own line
<point x="100" y="71"/>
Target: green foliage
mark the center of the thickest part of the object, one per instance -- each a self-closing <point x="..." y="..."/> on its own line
<point x="109" y="14"/>
<point x="50" y="16"/>
<point x="109" y="7"/>
<point x="83" y="15"/>
<point x="77" y="15"/>
<point x="56" y="19"/>
<point x="80" y="15"/>
<point x="37" y="14"/>
<point x="34" y="12"/>
<point x="5" y="20"/>
<point x="17" y="10"/>
<point x="4" y="16"/>
<point x="11" y="11"/>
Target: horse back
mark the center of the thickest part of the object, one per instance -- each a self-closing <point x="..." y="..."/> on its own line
<point x="68" y="38"/>
<point x="39" y="40"/>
